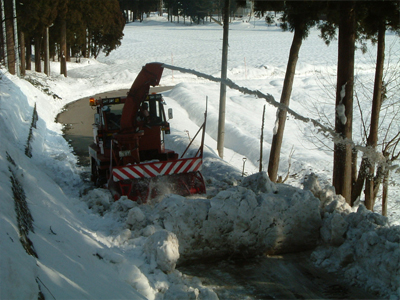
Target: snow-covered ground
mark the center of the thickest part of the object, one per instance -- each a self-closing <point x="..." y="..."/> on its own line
<point x="90" y="247"/>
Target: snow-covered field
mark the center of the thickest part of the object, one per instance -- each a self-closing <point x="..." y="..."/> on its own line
<point x="90" y="247"/>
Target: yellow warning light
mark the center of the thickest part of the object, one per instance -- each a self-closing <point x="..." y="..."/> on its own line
<point x="92" y="102"/>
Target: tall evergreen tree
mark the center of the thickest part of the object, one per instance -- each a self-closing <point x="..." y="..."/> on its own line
<point x="77" y="19"/>
<point x="62" y="20"/>
<point x="342" y="161"/>
<point x="105" y="26"/>
<point x="342" y="15"/>
<point x="33" y="18"/>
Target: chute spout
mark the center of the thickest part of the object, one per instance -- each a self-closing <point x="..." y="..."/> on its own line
<point x="150" y="75"/>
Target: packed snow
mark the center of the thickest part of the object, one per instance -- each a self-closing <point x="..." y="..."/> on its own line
<point x="82" y="244"/>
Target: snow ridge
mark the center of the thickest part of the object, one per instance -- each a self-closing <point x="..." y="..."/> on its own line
<point x="357" y="241"/>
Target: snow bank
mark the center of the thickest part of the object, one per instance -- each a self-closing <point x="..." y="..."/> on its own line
<point x="161" y="248"/>
<point x="250" y="219"/>
<point x="81" y="253"/>
<point x="149" y="253"/>
<point x="360" y="243"/>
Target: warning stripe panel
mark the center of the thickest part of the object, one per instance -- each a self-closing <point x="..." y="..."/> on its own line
<point x="149" y="170"/>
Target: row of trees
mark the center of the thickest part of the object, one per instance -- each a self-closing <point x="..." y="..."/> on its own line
<point x="135" y="9"/>
<point x="197" y="11"/>
<point x="59" y="29"/>
<point x="354" y="21"/>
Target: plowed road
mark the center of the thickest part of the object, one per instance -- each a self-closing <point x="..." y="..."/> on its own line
<point x="288" y="276"/>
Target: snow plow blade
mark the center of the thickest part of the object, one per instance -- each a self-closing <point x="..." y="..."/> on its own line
<point x="141" y="182"/>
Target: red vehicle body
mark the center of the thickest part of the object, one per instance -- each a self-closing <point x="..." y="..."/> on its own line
<point x="128" y="155"/>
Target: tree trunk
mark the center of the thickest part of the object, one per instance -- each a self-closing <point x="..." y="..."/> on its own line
<point x="262" y="140"/>
<point x="273" y="164"/>
<point x="354" y="157"/>
<point x="16" y="44"/>
<point x="68" y="52"/>
<point x="385" y="193"/>
<point x="23" y="55"/>
<point x="358" y="185"/>
<point x="344" y="101"/>
<point x="28" y="54"/>
<point x="367" y="168"/>
<point x="84" y="50"/>
<point x="8" y="11"/>
<point x="46" y="52"/>
<point x="87" y="44"/>
<point x="38" y="62"/>
<point x="3" y="37"/>
<point x="63" y="47"/>
<point x="376" y="108"/>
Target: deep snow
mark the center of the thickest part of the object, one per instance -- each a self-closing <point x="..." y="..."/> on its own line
<point x="87" y="243"/>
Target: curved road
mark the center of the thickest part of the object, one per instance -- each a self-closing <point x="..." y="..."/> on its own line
<point x="78" y="118"/>
<point x="289" y="276"/>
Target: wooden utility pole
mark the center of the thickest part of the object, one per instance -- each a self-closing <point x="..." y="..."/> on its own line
<point x="23" y="54"/>
<point x="224" y="68"/>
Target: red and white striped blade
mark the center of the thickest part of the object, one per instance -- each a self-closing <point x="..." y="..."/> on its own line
<point x="148" y="170"/>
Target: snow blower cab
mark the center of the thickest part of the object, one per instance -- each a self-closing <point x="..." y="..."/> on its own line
<point x="128" y="155"/>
